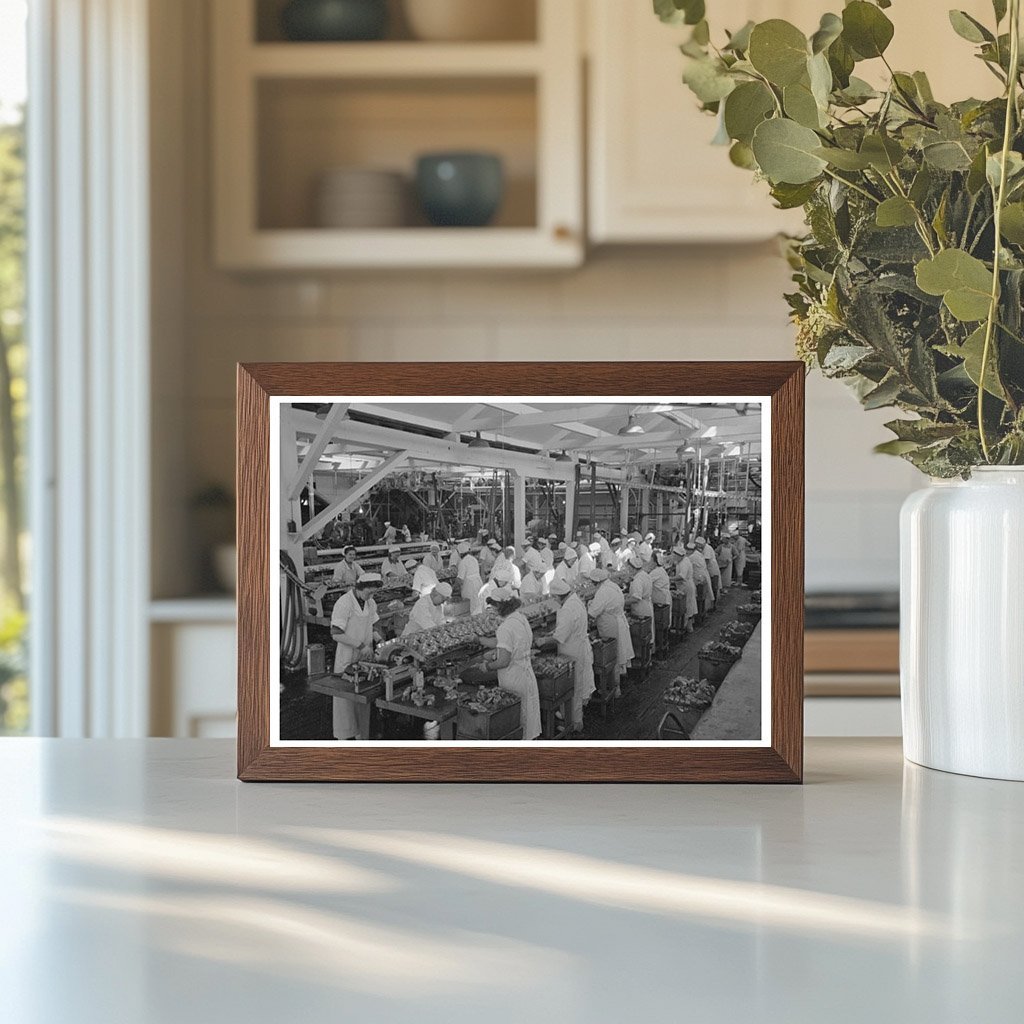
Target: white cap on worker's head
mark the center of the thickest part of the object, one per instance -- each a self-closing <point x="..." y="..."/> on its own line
<point x="443" y="589"/>
<point x="394" y="551"/>
<point x="463" y="548"/>
<point x="570" y="555"/>
<point x="599" y="575"/>
<point x="368" y="579"/>
<point x="559" y="588"/>
<point x="411" y="563"/>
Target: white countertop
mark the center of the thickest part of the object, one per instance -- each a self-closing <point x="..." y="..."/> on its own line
<point x="143" y="885"/>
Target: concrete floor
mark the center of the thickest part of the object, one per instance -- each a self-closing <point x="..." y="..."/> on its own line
<point x="638" y="712"/>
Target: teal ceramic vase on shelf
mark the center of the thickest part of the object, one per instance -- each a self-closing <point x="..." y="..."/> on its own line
<point x="334" y="20"/>
<point x="461" y="190"/>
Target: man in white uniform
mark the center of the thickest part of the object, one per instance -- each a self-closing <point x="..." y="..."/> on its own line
<point x="428" y="611"/>
<point x="392" y="566"/>
<point x="352" y="622"/>
<point x="571" y="638"/>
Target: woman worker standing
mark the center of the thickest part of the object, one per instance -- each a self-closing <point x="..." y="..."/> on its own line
<point x="607" y="608"/>
<point x="570" y="637"/>
<point x="352" y="622"/>
<point x="512" y="647"/>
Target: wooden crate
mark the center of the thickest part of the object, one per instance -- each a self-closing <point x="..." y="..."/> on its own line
<point x="604" y="652"/>
<point x="488" y="725"/>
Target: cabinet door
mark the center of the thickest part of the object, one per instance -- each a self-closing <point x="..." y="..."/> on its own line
<point x="654" y="175"/>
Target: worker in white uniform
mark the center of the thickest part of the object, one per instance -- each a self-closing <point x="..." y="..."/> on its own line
<point x="424" y="579"/>
<point x="725" y="555"/>
<point x="645" y="549"/>
<point x="701" y="576"/>
<point x="607" y="609"/>
<point x="547" y="556"/>
<point x="469" y="578"/>
<point x="684" y="574"/>
<point x="352" y="622"/>
<point x="432" y="559"/>
<point x="661" y="598"/>
<point x="511" y="654"/>
<point x="428" y="611"/>
<point x="347" y="571"/>
<point x="588" y="559"/>
<point x="567" y="570"/>
<point x="740" y="563"/>
<point x="392" y="566"/>
<point x="638" y="600"/>
<point x="571" y="638"/>
<point x="499" y="578"/>
<point x="711" y="559"/>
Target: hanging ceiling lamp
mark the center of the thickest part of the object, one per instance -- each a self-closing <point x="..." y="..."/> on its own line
<point x="631" y="427"/>
<point x="479" y="442"/>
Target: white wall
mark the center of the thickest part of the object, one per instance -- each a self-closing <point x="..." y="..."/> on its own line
<point x="654" y="303"/>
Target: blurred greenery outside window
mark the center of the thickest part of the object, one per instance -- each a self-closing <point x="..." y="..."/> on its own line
<point x="14" y="693"/>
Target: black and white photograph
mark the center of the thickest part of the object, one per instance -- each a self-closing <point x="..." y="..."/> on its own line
<point x="514" y="570"/>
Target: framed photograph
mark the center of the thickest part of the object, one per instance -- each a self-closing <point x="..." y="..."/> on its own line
<point x="519" y="572"/>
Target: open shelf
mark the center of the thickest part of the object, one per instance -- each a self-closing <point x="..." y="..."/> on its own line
<point x="287" y="113"/>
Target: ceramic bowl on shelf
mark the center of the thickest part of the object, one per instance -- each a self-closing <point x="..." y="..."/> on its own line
<point x="361" y="198"/>
<point x="460" y="189"/>
<point x="332" y="21"/>
<point x="468" y="20"/>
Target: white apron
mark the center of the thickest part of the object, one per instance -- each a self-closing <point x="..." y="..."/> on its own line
<point x="351" y="720"/>
<point x="573" y="642"/>
<point x="608" y="610"/>
<point x="515" y="636"/>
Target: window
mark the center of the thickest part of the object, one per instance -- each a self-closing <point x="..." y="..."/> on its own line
<point x="14" y="705"/>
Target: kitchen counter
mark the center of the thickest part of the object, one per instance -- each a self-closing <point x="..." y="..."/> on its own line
<point x="143" y="884"/>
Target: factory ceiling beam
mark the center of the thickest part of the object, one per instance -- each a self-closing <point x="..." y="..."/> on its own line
<point x="351" y="496"/>
<point x="328" y="430"/>
<point x="442" y="450"/>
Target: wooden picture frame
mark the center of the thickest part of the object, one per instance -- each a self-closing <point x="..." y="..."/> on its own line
<point x="780" y="385"/>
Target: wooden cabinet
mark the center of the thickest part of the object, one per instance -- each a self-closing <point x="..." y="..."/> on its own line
<point x="653" y="175"/>
<point x="285" y="114"/>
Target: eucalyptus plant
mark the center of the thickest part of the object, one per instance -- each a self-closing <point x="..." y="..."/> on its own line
<point x="909" y="280"/>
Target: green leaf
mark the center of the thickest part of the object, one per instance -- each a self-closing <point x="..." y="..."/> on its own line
<point x="785" y="152"/>
<point x="778" y="50"/>
<point x="800" y="105"/>
<point x="745" y="108"/>
<point x="844" y="159"/>
<point x="829" y="30"/>
<point x="896" y="447"/>
<point x="963" y="281"/>
<point x="896" y="212"/>
<point x="866" y="29"/>
<point x="971" y="352"/>
<point x="739" y="41"/>
<point x="676" y="12"/>
<point x="742" y="155"/>
<point x="968" y="28"/>
<point x="1012" y="225"/>
<point x="707" y="80"/>
<point x="883" y="153"/>
<point x="789" y="197"/>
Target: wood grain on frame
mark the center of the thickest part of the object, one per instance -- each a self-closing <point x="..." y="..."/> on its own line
<point x="783" y="382"/>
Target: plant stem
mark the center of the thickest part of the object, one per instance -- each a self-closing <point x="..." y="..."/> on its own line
<point x="993" y="309"/>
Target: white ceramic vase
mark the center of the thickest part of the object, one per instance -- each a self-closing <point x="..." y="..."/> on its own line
<point x="962" y="624"/>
